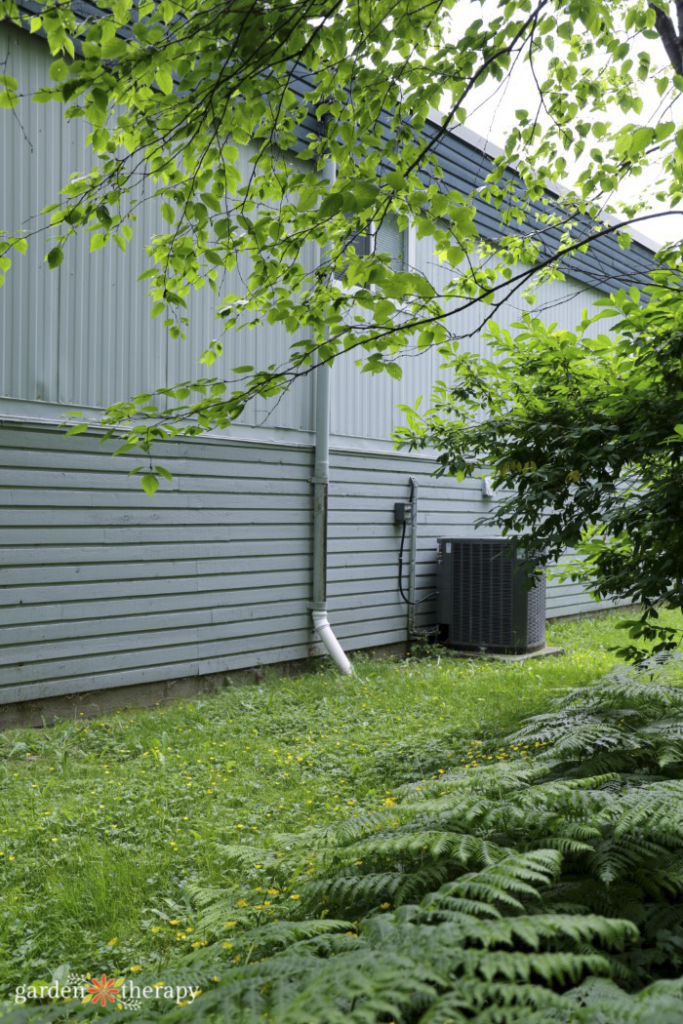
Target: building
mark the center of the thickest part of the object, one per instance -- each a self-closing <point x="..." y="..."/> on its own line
<point x="103" y="588"/>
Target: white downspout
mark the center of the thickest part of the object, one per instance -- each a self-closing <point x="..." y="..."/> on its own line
<point x="321" y="481"/>
<point x="332" y="645"/>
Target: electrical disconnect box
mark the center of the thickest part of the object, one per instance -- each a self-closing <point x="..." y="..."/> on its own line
<point x="401" y="512"/>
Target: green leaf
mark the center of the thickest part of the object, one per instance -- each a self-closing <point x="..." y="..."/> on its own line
<point x="383" y="310"/>
<point x="150" y="483"/>
<point x="114" y="47"/>
<point x="168" y="213"/>
<point x="331" y="205"/>
<point x="365" y="194"/>
<point x="308" y="197"/>
<point x="58" y="70"/>
<point x="55" y="257"/>
<point x="395" y="180"/>
<point x="164" y="80"/>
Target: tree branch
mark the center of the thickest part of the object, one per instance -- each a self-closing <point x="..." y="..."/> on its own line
<point x="667" y="33"/>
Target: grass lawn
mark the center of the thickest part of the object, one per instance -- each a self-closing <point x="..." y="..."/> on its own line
<point x="106" y="825"/>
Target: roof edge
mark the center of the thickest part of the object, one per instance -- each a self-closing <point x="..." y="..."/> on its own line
<point x="491" y="149"/>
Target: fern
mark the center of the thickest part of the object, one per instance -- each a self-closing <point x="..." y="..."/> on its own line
<point x="517" y="892"/>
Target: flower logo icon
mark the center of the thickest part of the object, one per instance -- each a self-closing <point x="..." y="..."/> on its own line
<point x="104" y="990"/>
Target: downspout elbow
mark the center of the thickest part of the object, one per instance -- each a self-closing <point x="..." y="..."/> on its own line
<point x="330" y="642"/>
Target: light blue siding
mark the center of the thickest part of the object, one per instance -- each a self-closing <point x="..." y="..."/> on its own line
<point x="109" y="589"/>
<point x="81" y="336"/>
<point x="364" y="543"/>
<point x="101" y="587"/>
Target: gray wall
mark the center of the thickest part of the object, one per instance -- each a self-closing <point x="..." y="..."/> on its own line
<point x="101" y="587"/>
<point x="365" y="606"/>
<point x="367" y="405"/>
<point x="80" y="337"/>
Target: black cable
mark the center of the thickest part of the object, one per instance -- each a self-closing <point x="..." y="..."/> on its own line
<point x="400" y="559"/>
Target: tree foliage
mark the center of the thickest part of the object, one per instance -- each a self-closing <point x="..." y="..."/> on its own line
<point x="171" y="91"/>
<point x="581" y="433"/>
<point x="332" y="103"/>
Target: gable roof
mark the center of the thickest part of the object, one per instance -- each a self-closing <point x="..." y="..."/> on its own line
<point x="466" y="159"/>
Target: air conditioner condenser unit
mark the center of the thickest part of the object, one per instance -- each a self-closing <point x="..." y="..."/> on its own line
<point x="485" y="602"/>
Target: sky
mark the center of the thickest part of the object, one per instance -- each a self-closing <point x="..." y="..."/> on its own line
<point x="492" y="115"/>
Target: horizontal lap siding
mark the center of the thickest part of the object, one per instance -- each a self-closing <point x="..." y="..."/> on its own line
<point x="366" y="609"/>
<point x="364" y="541"/>
<point x="101" y="586"/>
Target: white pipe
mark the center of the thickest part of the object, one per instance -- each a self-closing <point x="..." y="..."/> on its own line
<point x="332" y="645"/>
<point x="321" y="481"/>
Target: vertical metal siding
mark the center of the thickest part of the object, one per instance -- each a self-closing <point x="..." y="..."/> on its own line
<point x="28" y="326"/>
<point x="81" y="336"/>
<point x="368" y="403"/>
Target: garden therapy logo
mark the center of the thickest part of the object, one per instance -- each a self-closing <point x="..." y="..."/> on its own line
<point x="105" y="990"/>
<point x="118" y="993"/>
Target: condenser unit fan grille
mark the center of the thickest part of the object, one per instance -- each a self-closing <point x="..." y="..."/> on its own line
<point x="484" y="600"/>
<point x="482" y="593"/>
